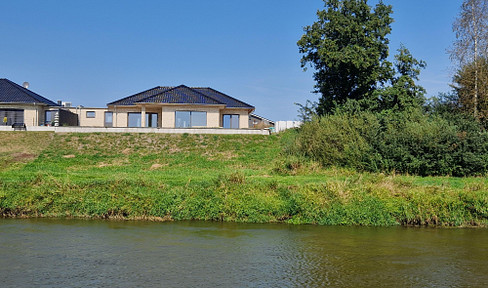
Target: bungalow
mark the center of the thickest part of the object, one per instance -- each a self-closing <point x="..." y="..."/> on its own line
<point x="164" y="107"/>
<point x="20" y="105"/>
<point x="170" y="107"/>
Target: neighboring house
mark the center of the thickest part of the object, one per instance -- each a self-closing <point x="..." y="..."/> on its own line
<point x="259" y="122"/>
<point x="20" y="105"/>
<point x="176" y="107"/>
<point x="165" y="107"/>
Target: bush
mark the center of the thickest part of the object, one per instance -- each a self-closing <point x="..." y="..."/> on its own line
<point x="335" y="140"/>
<point x="412" y="143"/>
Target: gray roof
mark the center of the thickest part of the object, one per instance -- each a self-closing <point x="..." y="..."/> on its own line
<point x="260" y="118"/>
<point x="183" y="95"/>
<point x="180" y="95"/>
<point x="11" y="92"/>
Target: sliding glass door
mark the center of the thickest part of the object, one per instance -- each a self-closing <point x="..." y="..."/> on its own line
<point x="230" y="121"/>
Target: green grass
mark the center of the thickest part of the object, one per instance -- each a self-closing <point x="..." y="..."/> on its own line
<point x="241" y="178"/>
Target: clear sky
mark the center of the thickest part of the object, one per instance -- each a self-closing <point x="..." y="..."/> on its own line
<point x="93" y="52"/>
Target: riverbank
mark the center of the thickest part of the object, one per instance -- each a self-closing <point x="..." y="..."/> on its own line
<point x="241" y="178"/>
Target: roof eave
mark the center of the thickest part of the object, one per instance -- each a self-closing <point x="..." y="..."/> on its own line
<point x="28" y="103"/>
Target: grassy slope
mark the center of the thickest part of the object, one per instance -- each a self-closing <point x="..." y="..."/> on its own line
<point x="207" y="177"/>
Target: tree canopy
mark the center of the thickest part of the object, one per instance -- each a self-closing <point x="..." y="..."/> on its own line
<point x="470" y="51"/>
<point x="469" y="79"/>
<point x="372" y="112"/>
<point x="403" y="93"/>
<point x="348" y="48"/>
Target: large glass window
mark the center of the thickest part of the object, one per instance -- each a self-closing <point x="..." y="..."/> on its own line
<point x="134" y="119"/>
<point x="185" y="119"/>
<point x="152" y="120"/>
<point x="49" y="119"/>
<point x="182" y="119"/>
<point x="231" y="121"/>
<point x="90" y="114"/>
<point x="109" y="119"/>
<point x="11" y="116"/>
<point x="198" y="119"/>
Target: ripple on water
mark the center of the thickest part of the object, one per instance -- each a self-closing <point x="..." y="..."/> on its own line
<point x="57" y="253"/>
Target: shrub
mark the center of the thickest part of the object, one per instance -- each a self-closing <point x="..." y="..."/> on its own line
<point x="412" y="143"/>
<point x="335" y="140"/>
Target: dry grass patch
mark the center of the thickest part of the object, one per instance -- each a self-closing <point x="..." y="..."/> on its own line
<point x="25" y="142"/>
<point x="22" y="147"/>
<point x="156" y="166"/>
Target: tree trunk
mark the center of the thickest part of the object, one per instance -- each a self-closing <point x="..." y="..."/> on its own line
<point x="475" y="27"/>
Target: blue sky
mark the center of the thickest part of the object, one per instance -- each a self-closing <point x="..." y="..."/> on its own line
<point x="93" y="52"/>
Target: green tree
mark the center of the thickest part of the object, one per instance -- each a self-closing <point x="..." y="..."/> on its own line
<point x="473" y="78"/>
<point x="308" y="111"/>
<point x="348" y="48"/>
<point x="471" y="46"/>
<point x="404" y="93"/>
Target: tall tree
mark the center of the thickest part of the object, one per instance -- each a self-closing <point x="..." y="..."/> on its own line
<point x="473" y="77"/>
<point x="348" y="48"/>
<point x="471" y="45"/>
<point x="403" y="93"/>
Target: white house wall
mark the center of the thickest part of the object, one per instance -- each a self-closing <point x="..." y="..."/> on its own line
<point x="97" y="121"/>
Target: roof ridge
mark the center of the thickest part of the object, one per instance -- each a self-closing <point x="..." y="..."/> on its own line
<point x="206" y="96"/>
<point x="182" y="86"/>
<point x="130" y="96"/>
<point x="118" y="100"/>
<point x="167" y="90"/>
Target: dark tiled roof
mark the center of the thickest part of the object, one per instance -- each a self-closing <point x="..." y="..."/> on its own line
<point x="182" y="95"/>
<point x="230" y="102"/>
<point x="11" y="92"/>
<point x="131" y="100"/>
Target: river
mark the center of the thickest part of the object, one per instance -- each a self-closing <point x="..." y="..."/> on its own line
<point x="88" y="253"/>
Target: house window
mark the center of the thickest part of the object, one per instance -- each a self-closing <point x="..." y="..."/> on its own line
<point x="11" y="116"/>
<point x="152" y="120"/>
<point x="49" y="118"/>
<point x="231" y="121"/>
<point x="198" y="119"/>
<point x="134" y="119"/>
<point x="90" y="114"/>
<point x="185" y="119"/>
<point x="109" y="119"/>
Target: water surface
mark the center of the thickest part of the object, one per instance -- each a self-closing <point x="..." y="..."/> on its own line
<point x="79" y="253"/>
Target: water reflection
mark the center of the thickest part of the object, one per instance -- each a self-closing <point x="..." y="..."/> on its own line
<point x="76" y="253"/>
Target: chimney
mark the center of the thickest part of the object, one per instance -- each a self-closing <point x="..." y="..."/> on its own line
<point x="25" y="85"/>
